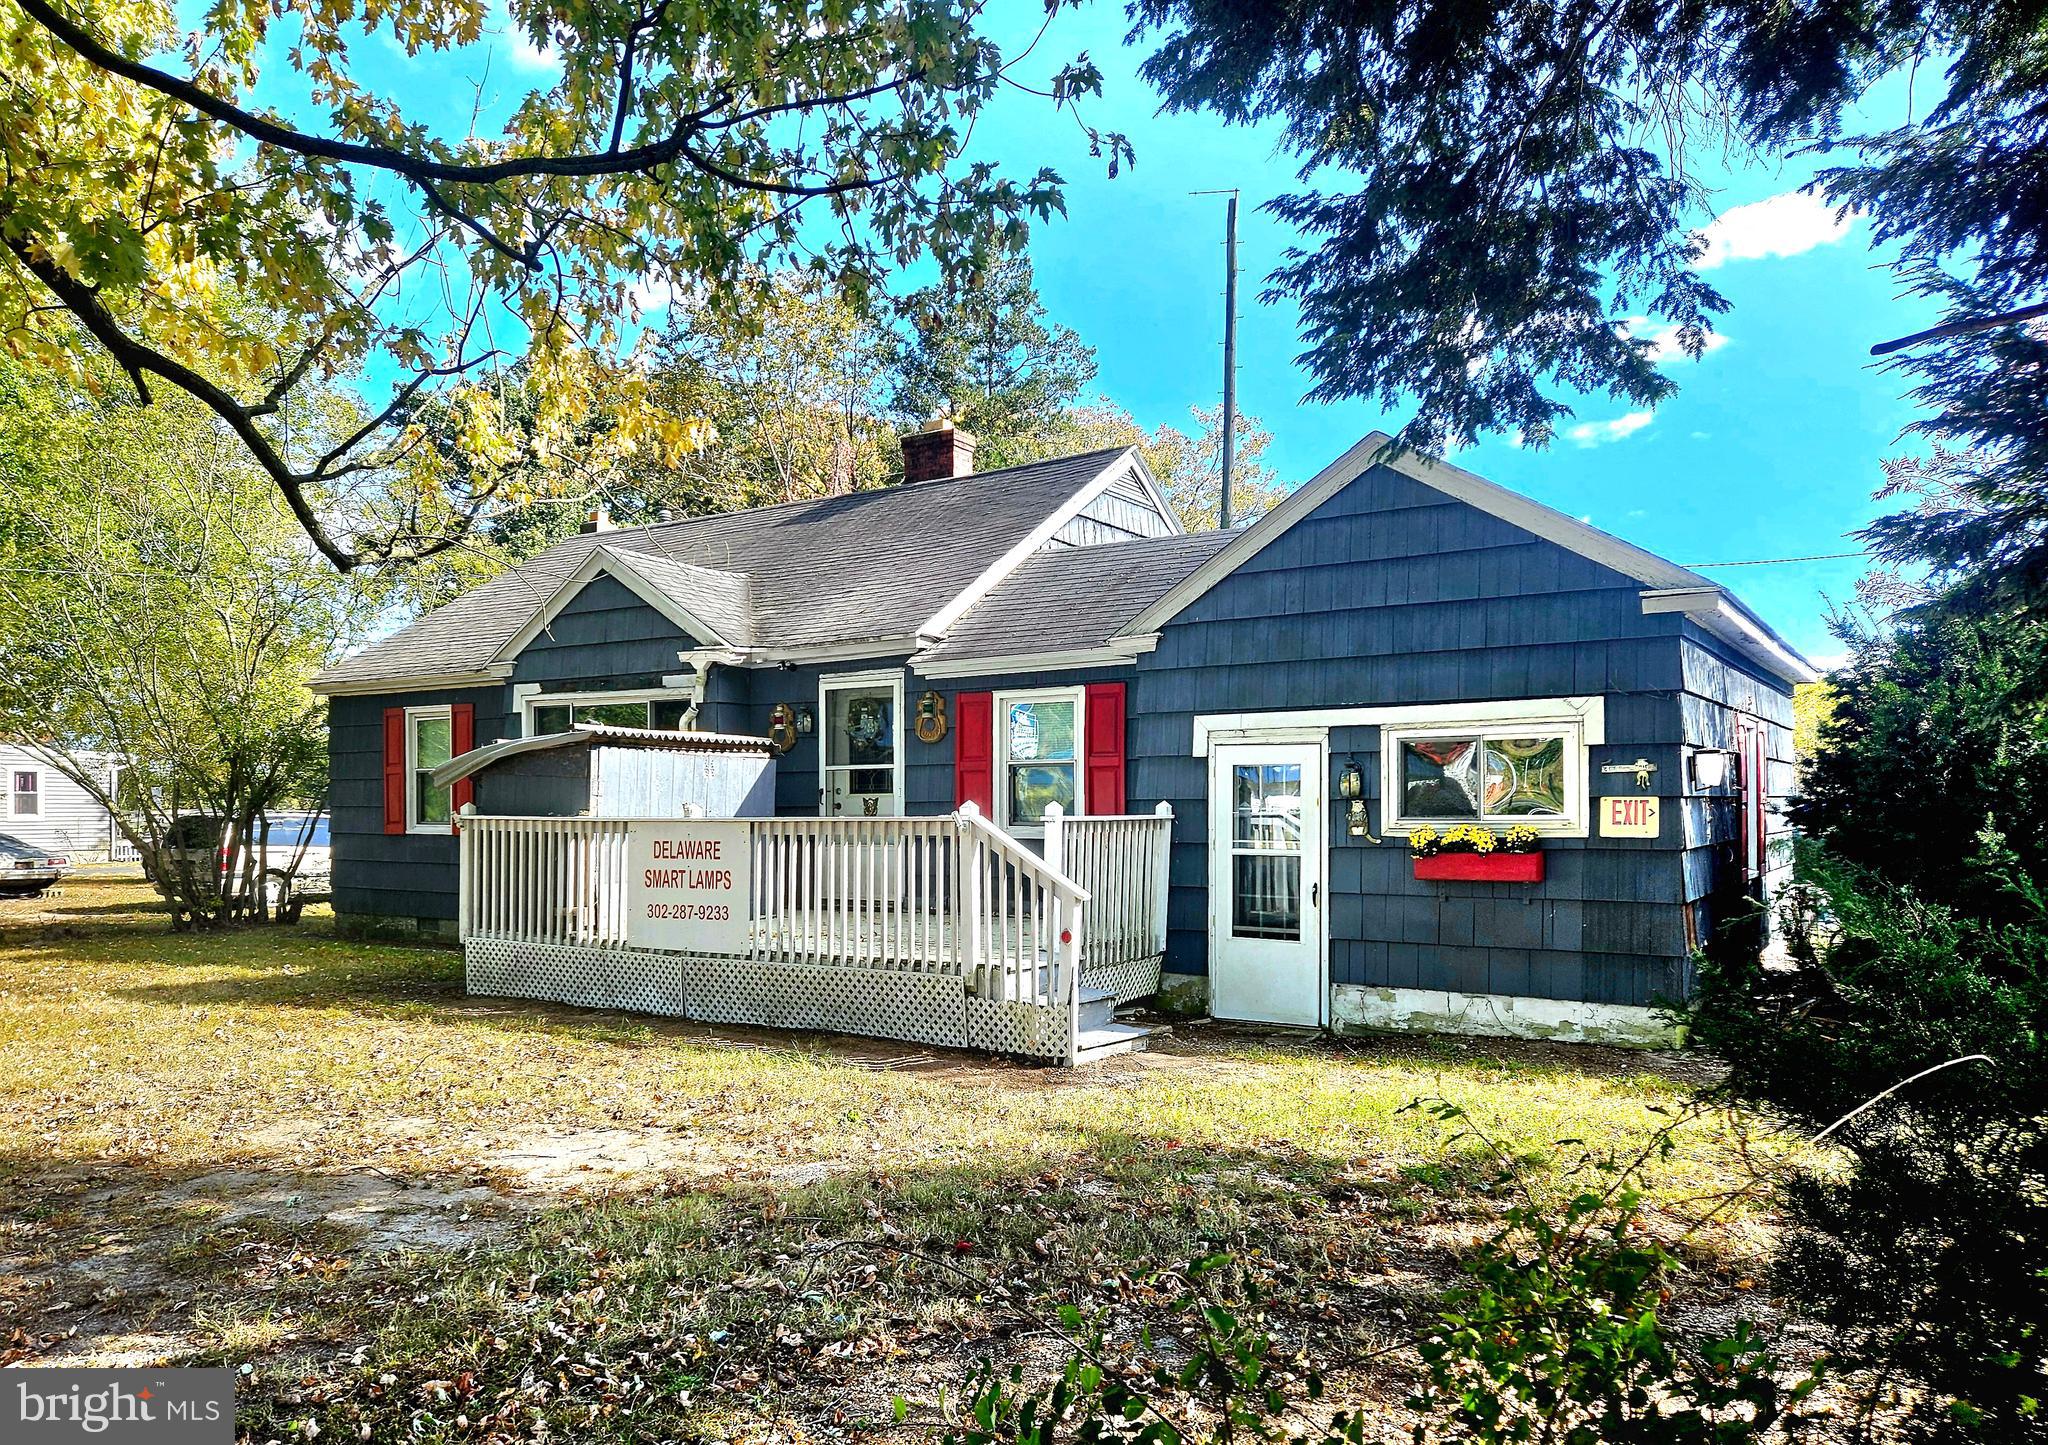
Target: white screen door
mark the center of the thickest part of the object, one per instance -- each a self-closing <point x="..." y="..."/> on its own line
<point x="1266" y="882"/>
<point x="862" y="759"/>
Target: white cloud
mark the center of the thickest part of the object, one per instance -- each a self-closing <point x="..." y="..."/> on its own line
<point x="1663" y="339"/>
<point x="510" y="40"/>
<point x="1828" y="661"/>
<point x="1599" y="433"/>
<point x="1782" y="225"/>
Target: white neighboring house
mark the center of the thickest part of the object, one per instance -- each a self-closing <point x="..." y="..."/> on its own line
<point x="42" y="807"/>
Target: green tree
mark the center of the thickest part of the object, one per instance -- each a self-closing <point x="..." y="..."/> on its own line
<point x="159" y="602"/>
<point x="794" y="391"/>
<point x="1491" y="192"/>
<point x="1188" y="465"/>
<point x="978" y="347"/>
<point x="1932" y="770"/>
<point x="144" y="169"/>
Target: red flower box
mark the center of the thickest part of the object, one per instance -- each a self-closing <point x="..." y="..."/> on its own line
<point x="1481" y="868"/>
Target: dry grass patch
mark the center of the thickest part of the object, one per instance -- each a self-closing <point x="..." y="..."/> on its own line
<point x="320" y="1158"/>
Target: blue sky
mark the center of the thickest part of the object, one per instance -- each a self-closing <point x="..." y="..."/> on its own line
<point x="1770" y="449"/>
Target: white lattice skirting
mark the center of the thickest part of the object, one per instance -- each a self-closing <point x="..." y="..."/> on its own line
<point x="1128" y="981"/>
<point x="923" y="1008"/>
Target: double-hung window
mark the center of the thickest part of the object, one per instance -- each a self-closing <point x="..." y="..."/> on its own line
<point x="1038" y="756"/>
<point x="429" y="742"/>
<point x="1498" y="775"/>
<point x="25" y="793"/>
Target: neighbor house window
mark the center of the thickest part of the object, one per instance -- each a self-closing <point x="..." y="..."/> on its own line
<point x="1038" y="737"/>
<point x="1502" y="775"/>
<point x="429" y="742"/>
<point x="26" y="795"/>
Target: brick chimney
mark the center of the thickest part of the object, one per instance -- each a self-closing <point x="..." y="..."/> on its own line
<point x="938" y="450"/>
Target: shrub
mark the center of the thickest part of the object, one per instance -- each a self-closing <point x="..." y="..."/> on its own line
<point x="1928" y="1254"/>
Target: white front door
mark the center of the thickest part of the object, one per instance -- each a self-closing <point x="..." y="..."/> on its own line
<point x="1266" y="882"/>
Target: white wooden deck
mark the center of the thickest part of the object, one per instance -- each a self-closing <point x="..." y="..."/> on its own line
<point x="938" y="930"/>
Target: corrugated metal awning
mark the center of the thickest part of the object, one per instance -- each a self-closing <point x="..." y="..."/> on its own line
<point x="589" y="734"/>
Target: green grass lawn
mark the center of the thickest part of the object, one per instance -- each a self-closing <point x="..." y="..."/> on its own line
<point x="428" y="1216"/>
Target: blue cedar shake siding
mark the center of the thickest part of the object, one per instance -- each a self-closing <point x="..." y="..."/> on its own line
<point x="1392" y="593"/>
<point x="390" y="875"/>
<point x="605" y="637"/>
<point x="1389" y="593"/>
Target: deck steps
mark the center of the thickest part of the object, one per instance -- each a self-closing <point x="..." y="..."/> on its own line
<point x="1115" y="1037"/>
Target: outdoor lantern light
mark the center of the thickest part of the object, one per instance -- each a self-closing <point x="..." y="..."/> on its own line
<point x="805" y="721"/>
<point x="1351" y="786"/>
<point x="1709" y="768"/>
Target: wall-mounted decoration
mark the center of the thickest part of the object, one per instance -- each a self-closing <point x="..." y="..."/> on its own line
<point x="1630" y="817"/>
<point x="782" y="727"/>
<point x="931" y="718"/>
<point x="1641" y="767"/>
<point x="1351" y="788"/>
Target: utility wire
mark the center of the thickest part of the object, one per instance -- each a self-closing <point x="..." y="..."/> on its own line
<point x="1775" y="561"/>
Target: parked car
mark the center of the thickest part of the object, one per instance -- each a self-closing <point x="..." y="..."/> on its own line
<point x="25" y="871"/>
<point x="297" y="856"/>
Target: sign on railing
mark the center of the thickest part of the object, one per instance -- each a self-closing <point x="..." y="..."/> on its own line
<point x="688" y="885"/>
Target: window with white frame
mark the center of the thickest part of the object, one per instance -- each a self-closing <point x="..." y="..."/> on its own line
<point x="1500" y="774"/>
<point x="663" y="709"/>
<point x="25" y="793"/>
<point x="429" y="742"/>
<point x="1038" y="756"/>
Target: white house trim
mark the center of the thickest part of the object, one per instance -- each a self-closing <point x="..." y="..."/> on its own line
<point x="1759" y="643"/>
<point x="1126" y="462"/>
<point x="1588" y="713"/>
<point x="1711" y="608"/>
<point x="1121" y="653"/>
<point x="889" y="647"/>
<point x="491" y="676"/>
<point x="617" y="565"/>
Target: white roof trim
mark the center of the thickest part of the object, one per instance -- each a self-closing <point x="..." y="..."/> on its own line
<point x="1490" y="497"/>
<point x="490" y="676"/>
<point x="619" y="566"/>
<point x="879" y="648"/>
<point x="1112" y="469"/>
<point x="1589" y="713"/>
<point x="1713" y="610"/>
<point x="1119" y="653"/>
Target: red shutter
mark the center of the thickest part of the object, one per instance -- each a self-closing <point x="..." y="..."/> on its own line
<point x="461" y="738"/>
<point x="974" y="750"/>
<point x="394" y="770"/>
<point x="1105" y="749"/>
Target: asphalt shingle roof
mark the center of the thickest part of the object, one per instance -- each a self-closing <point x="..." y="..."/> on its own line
<point x="855" y="568"/>
<point x="1073" y="597"/>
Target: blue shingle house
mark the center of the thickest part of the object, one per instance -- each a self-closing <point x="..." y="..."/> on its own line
<point x="1037" y="751"/>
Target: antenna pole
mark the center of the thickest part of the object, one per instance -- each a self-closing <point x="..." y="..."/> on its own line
<point x="1229" y="362"/>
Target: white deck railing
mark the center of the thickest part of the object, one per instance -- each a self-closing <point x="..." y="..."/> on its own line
<point x="949" y="895"/>
<point x="1123" y="862"/>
